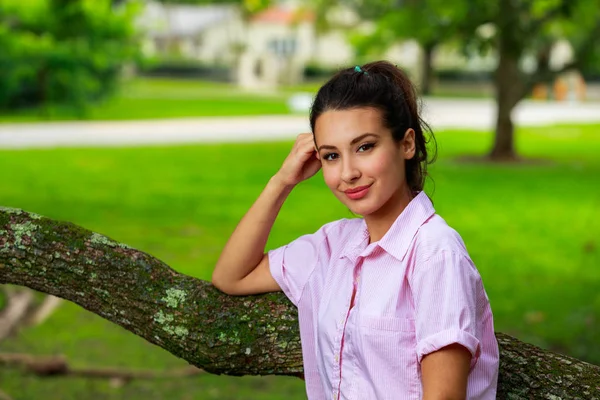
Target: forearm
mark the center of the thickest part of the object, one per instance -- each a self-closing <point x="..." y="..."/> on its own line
<point x="445" y="373"/>
<point x="245" y="248"/>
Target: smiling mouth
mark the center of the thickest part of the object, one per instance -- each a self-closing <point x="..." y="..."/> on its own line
<point x="357" y="193"/>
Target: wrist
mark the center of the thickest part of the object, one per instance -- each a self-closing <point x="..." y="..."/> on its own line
<point x="278" y="183"/>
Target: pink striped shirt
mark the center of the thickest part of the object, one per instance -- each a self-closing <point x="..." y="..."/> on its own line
<point x="415" y="291"/>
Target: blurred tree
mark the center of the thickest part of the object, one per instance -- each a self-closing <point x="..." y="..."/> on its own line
<point x="428" y="22"/>
<point x="520" y="33"/>
<point x="523" y="35"/>
<point x="63" y="51"/>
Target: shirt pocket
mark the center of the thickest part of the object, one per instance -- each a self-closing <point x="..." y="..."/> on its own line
<point x="391" y="324"/>
<point x="388" y="347"/>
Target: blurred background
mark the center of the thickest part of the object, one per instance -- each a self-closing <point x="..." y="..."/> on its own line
<point x="158" y="123"/>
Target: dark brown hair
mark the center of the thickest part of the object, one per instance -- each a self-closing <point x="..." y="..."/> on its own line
<point x="385" y="87"/>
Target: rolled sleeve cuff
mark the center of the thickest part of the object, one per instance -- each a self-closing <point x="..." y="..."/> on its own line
<point x="276" y="267"/>
<point x="445" y="338"/>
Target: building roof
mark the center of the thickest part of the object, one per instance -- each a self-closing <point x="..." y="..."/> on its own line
<point x="284" y="15"/>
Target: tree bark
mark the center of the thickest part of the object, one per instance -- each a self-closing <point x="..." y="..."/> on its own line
<point x="253" y="335"/>
<point x="508" y="80"/>
<point x="427" y="68"/>
<point x="249" y="335"/>
<point x="509" y="91"/>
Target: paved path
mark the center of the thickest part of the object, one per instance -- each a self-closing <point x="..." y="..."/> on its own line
<point x="440" y="113"/>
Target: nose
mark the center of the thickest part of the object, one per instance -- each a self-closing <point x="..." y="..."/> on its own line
<point x="349" y="171"/>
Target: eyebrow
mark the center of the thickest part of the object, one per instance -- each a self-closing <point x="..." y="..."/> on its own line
<point x="354" y="141"/>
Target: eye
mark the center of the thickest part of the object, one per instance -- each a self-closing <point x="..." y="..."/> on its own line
<point x="330" y="156"/>
<point x="366" y="146"/>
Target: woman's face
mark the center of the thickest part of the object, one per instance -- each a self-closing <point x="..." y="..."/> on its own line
<point x="362" y="164"/>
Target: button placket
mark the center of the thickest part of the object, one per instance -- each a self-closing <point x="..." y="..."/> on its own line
<point x="350" y="306"/>
<point x="336" y="370"/>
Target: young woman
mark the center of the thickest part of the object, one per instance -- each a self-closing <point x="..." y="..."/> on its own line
<point x="390" y="305"/>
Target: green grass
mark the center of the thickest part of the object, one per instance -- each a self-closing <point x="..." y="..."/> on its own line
<point x="156" y="98"/>
<point x="146" y="98"/>
<point x="532" y="230"/>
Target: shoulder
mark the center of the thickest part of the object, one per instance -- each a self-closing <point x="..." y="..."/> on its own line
<point x="334" y="235"/>
<point x="342" y="229"/>
<point x="439" y="249"/>
<point x="436" y="236"/>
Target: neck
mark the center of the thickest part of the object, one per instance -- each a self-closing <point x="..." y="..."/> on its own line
<point x="379" y="222"/>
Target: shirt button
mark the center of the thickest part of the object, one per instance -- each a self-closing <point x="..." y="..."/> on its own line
<point x="337" y="358"/>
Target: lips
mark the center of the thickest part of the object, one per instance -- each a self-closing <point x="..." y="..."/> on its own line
<point x="357" y="189"/>
<point x="358" y="192"/>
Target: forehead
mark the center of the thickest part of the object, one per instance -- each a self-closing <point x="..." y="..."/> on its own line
<point x="338" y="127"/>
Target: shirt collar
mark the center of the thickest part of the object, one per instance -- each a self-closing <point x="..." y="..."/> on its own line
<point x="398" y="238"/>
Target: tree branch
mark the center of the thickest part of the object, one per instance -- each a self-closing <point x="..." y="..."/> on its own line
<point x="12" y="315"/>
<point x="253" y="335"/>
<point x="58" y="366"/>
<point x="4" y="396"/>
<point x="250" y="335"/>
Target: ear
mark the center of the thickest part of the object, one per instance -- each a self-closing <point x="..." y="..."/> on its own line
<point x="408" y="144"/>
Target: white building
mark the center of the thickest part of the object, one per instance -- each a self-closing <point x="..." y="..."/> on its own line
<point x="273" y="46"/>
<point x="268" y="48"/>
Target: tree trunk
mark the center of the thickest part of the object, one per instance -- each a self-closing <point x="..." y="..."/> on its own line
<point x="427" y="68"/>
<point x="509" y="81"/>
<point x="249" y="335"/>
<point x="509" y="88"/>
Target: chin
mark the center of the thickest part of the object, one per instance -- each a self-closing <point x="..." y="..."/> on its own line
<point x="363" y="211"/>
<point x="362" y="208"/>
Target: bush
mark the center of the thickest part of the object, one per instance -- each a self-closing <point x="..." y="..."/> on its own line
<point x="591" y="74"/>
<point x="63" y="51"/>
<point x="460" y="75"/>
<point x="186" y="69"/>
<point x="319" y="72"/>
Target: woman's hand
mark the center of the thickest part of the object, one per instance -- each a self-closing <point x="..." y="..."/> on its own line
<point x="301" y="163"/>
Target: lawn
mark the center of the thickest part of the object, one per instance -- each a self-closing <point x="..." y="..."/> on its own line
<point x="155" y="98"/>
<point x="532" y="229"/>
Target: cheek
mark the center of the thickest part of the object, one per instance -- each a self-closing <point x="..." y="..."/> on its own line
<point x="330" y="177"/>
<point x="389" y="165"/>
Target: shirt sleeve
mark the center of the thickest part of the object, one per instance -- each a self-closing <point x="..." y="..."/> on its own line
<point x="293" y="264"/>
<point x="445" y="291"/>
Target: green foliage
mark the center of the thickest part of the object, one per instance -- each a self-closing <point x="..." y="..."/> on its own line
<point x="529" y="29"/>
<point x="519" y="28"/>
<point x="63" y="51"/>
<point x="429" y="22"/>
<point x="248" y="7"/>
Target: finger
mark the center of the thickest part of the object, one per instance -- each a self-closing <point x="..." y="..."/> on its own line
<point x="304" y="144"/>
<point x="306" y="151"/>
<point x="312" y="167"/>
<point x="305" y="138"/>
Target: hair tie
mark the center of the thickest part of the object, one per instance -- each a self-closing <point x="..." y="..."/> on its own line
<point x="358" y="69"/>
